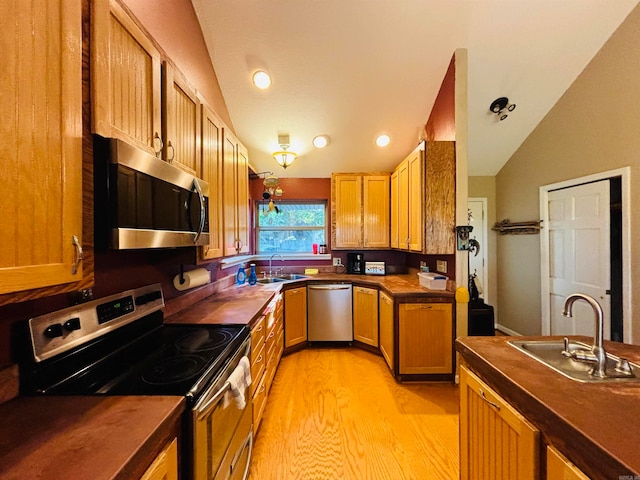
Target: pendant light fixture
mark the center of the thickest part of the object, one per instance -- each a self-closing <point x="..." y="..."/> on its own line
<point x="284" y="157"/>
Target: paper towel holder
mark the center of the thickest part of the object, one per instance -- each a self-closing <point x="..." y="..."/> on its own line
<point x="182" y="280"/>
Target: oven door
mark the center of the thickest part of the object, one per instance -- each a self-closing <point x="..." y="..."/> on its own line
<point x="222" y="432"/>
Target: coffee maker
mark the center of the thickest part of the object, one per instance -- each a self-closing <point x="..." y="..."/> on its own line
<point x="355" y="263"/>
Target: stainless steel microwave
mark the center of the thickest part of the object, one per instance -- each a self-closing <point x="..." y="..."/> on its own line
<point x="143" y="202"/>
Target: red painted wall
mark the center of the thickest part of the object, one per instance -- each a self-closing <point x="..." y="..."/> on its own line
<point x="442" y="121"/>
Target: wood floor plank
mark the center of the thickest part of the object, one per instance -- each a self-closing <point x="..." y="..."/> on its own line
<point x="337" y="413"/>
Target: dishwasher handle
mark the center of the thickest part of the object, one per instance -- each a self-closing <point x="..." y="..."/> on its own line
<point x="329" y="287"/>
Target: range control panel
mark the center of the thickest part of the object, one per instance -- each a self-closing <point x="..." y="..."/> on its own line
<point x="57" y="332"/>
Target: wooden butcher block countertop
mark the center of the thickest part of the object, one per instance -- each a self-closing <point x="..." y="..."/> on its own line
<point x="595" y="425"/>
<point x="244" y="303"/>
<point x="84" y="437"/>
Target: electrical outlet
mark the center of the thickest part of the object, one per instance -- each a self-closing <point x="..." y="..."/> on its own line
<point x="441" y="266"/>
<point x="337" y="261"/>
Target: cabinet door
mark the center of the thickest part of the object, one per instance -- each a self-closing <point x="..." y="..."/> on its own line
<point x="181" y="121"/>
<point x="440" y="198"/>
<point x="559" y="468"/>
<point x="229" y="194"/>
<point x="295" y="316"/>
<point x="165" y="466"/>
<point x="496" y="442"/>
<point x="386" y="328"/>
<point x="243" y="199"/>
<point x="41" y="147"/>
<point x="416" y="194"/>
<point x="125" y="79"/>
<point x="211" y="172"/>
<point x="403" y="205"/>
<point x="375" y="215"/>
<point x="425" y="338"/>
<point x="347" y="200"/>
<point x="394" y="239"/>
<point x="365" y="315"/>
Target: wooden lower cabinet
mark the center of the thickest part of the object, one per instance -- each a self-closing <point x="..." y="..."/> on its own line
<point x="295" y="316"/>
<point x="386" y="328"/>
<point x="496" y="442"/>
<point x="267" y="345"/>
<point x="165" y="465"/>
<point x="365" y="315"/>
<point x="425" y="338"/>
<point x="560" y="468"/>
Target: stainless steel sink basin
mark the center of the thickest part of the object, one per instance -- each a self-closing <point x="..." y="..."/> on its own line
<point x="549" y="353"/>
<point x="292" y="276"/>
<point x="285" y="277"/>
<point x="271" y="280"/>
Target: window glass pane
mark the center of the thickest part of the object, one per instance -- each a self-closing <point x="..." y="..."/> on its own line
<point x="291" y="215"/>
<point x="290" y="227"/>
<point x="289" y="240"/>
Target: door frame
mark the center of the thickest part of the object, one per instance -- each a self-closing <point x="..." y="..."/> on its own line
<point x="625" y="174"/>
<point x="484" y="247"/>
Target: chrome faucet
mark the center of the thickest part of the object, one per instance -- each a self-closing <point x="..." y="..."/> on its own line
<point x="598" y="356"/>
<point x="271" y="258"/>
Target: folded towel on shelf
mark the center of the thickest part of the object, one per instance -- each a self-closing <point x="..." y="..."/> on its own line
<point x="238" y="381"/>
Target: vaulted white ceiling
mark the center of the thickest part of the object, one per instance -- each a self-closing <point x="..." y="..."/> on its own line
<point x="352" y="69"/>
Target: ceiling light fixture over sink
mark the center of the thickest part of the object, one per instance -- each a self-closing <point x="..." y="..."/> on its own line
<point x="321" y="141"/>
<point x="284" y="157"/>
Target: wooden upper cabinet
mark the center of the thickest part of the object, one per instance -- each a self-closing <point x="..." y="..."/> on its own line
<point x="394" y="238"/>
<point x="125" y="79"/>
<point x="211" y="172"/>
<point x="180" y="120"/>
<point x="375" y="211"/>
<point x="348" y="211"/>
<point x="41" y="147"/>
<point x="425" y="216"/>
<point x="235" y="192"/>
<point x="361" y="214"/>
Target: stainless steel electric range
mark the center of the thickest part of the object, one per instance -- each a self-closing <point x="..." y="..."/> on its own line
<point x="119" y="345"/>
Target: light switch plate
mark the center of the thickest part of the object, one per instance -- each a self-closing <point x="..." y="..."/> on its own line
<point x="441" y="266"/>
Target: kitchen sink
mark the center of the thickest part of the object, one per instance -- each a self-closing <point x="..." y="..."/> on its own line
<point x="285" y="277"/>
<point x="550" y="353"/>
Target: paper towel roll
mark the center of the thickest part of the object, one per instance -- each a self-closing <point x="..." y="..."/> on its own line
<point x="192" y="279"/>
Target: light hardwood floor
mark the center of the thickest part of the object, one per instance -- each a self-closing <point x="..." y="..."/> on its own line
<point x="337" y="413"/>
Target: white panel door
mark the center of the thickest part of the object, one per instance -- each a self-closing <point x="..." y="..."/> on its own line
<point x="579" y="257"/>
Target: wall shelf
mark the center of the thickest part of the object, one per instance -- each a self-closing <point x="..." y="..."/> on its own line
<point x="507" y="227"/>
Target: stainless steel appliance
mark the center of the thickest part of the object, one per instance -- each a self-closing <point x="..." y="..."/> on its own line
<point x="119" y="345"/>
<point x="329" y="313"/>
<point x="355" y="263"/>
<point x="144" y="202"/>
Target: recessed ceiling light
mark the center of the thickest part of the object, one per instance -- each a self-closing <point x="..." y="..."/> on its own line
<point x="321" y="141"/>
<point x="383" y="140"/>
<point x="261" y="79"/>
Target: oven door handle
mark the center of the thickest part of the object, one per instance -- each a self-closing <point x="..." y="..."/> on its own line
<point x="248" y="443"/>
<point x="208" y="406"/>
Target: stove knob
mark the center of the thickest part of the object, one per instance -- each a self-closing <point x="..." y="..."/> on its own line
<point x="72" y="324"/>
<point x="54" y="330"/>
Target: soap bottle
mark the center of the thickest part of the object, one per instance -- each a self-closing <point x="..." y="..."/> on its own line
<point x="253" y="277"/>
<point x="241" y="276"/>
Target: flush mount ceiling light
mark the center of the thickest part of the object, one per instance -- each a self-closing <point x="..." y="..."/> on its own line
<point x="383" y="140"/>
<point x="284" y="157"/>
<point x="261" y="79"/>
<point x="500" y="106"/>
<point x="321" y="141"/>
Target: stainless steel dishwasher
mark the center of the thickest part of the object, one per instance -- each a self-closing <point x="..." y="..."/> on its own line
<point x="329" y="313"/>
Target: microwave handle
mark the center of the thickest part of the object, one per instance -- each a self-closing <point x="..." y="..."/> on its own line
<point x="196" y="187"/>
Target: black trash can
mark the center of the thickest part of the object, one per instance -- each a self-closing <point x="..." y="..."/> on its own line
<point x="481" y="321"/>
